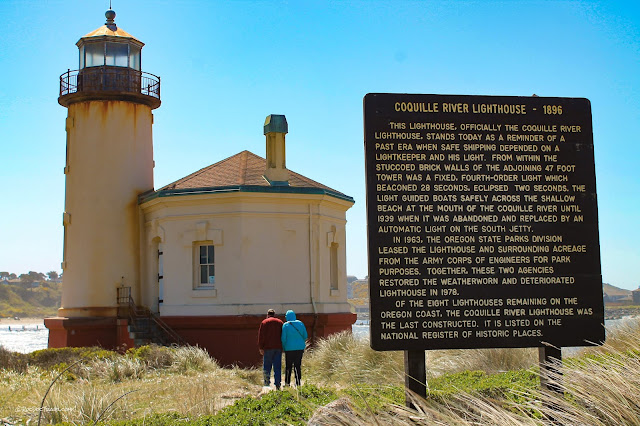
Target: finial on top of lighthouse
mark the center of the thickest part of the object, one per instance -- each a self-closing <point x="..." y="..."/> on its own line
<point x="111" y="16"/>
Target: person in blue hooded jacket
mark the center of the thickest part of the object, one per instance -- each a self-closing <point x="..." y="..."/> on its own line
<point x="294" y="340"/>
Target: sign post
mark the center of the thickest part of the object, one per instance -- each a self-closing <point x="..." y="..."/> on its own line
<point x="482" y="222"/>
<point x="549" y="359"/>
<point x="415" y="379"/>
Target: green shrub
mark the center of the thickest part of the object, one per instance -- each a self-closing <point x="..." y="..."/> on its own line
<point x="375" y="398"/>
<point x="279" y="407"/>
<point x="47" y="358"/>
<point x="510" y="390"/>
<point x="163" y="419"/>
<point x="153" y="356"/>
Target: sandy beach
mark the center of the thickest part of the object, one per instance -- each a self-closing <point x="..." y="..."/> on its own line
<point x="21" y="321"/>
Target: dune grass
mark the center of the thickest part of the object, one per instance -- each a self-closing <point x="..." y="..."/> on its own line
<point x="154" y="379"/>
<point x="342" y="359"/>
<point x="599" y="386"/>
<point x="164" y="386"/>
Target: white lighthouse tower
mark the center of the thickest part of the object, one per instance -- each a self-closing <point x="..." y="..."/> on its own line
<point x="109" y="163"/>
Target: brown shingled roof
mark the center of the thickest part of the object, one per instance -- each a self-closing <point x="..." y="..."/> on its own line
<point x="244" y="168"/>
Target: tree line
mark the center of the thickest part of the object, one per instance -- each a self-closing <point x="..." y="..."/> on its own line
<point x="31" y="276"/>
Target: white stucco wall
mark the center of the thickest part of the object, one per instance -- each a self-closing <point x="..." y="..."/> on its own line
<point x="271" y="251"/>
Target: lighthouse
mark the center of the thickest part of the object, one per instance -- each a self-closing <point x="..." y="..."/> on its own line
<point x="109" y="163"/>
<point x="200" y="260"/>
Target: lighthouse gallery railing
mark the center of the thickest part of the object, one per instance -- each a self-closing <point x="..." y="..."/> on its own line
<point x="109" y="79"/>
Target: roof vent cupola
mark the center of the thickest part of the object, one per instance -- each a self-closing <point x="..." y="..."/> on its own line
<point x="275" y="129"/>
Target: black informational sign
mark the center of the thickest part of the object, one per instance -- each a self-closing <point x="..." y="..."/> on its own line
<point x="482" y="222"/>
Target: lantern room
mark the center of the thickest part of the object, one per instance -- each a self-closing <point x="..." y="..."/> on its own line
<point x="109" y="68"/>
<point x="109" y="46"/>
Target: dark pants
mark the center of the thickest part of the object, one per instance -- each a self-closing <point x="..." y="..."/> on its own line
<point x="293" y="360"/>
<point x="272" y="358"/>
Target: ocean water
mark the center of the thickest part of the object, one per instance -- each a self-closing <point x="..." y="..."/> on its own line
<point x="23" y="338"/>
<point x="32" y="337"/>
<point x="360" y="329"/>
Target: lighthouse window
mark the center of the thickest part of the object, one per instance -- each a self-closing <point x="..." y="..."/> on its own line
<point x="117" y="54"/>
<point x="94" y="54"/>
<point x="134" y="57"/>
<point x="205" y="266"/>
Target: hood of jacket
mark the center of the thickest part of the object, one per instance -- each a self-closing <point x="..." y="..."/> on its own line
<point x="290" y="315"/>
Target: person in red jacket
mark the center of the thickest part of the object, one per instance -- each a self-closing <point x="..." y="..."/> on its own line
<point x="270" y="347"/>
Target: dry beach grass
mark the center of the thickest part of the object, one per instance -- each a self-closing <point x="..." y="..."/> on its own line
<point x="602" y="385"/>
<point x="184" y="380"/>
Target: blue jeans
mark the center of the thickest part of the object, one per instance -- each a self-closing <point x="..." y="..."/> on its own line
<point x="272" y="358"/>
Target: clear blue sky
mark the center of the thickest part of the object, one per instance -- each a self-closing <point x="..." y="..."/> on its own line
<point x="226" y="65"/>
